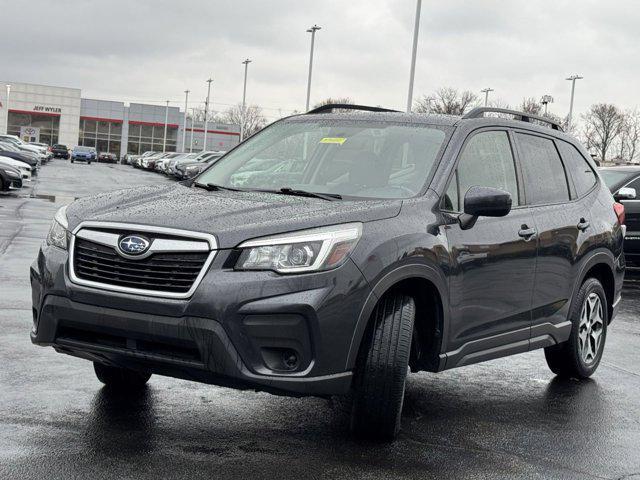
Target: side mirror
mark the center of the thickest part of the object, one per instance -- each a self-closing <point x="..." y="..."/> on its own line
<point x="625" y="193"/>
<point x="484" y="202"/>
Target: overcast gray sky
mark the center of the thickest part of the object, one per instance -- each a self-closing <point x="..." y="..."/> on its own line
<point x="149" y="51"/>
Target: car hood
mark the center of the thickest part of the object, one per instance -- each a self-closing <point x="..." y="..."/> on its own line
<point x="28" y="159"/>
<point x="232" y="217"/>
<point x="14" y="163"/>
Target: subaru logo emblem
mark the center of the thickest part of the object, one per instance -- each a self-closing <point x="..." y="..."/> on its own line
<point x="133" y="245"/>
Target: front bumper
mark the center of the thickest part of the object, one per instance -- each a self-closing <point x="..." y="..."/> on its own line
<point x="14" y="184"/>
<point x="233" y="331"/>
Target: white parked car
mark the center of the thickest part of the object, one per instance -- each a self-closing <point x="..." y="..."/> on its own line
<point x="24" y="168"/>
<point x="23" y="145"/>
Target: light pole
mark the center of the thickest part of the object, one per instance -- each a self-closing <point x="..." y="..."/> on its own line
<point x="573" y="79"/>
<point x="546" y="100"/>
<point x="193" y="116"/>
<point x="166" y="120"/>
<point x="312" y="31"/>
<point x="486" y="95"/>
<point x="244" y="97"/>
<point x="206" y="114"/>
<point x="184" y="125"/>
<point x="412" y="71"/>
<point x="6" y="117"/>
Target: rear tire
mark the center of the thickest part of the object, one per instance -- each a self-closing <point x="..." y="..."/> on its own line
<point x="382" y="369"/>
<point x="580" y="356"/>
<point x="120" y="378"/>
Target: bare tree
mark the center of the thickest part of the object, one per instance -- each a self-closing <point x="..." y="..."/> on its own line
<point x="499" y="103"/>
<point x="629" y="141"/>
<point x="447" y="101"/>
<point x="603" y="125"/>
<point x="530" y="105"/>
<point x="330" y="100"/>
<point x="336" y="100"/>
<point x="254" y="120"/>
<point x="197" y="115"/>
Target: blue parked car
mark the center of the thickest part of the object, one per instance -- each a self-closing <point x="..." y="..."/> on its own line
<point x="83" y="154"/>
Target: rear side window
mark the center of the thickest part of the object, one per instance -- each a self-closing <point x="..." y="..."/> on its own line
<point x="486" y="161"/>
<point x="584" y="178"/>
<point x="544" y="176"/>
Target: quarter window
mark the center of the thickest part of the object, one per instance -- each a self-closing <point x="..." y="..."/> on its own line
<point x="486" y="161"/>
<point x="584" y="178"/>
<point x="544" y="176"/>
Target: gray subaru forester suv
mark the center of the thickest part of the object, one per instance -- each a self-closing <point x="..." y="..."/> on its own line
<point x="332" y="252"/>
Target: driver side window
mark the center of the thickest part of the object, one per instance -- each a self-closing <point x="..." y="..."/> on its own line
<point x="486" y="161"/>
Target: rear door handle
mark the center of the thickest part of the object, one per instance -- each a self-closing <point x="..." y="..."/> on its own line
<point x="526" y="232"/>
<point x="583" y="225"/>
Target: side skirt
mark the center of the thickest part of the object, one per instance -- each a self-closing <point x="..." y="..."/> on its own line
<point x="506" y="344"/>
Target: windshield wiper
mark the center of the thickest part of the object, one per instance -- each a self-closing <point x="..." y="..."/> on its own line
<point x="215" y="187"/>
<point x="304" y="193"/>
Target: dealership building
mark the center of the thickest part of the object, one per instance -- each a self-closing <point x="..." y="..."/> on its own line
<point x="47" y="114"/>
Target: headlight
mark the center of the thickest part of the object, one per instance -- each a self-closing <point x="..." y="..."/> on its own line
<point x="306" y="251"/>
<point x="193" y="168"/>
<point x="58" y="232"/>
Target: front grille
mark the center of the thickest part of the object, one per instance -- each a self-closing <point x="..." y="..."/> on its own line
<point x="161" y="272"/>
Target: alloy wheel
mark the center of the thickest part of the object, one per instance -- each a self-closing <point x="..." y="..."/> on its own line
<point x="591" y="328"/>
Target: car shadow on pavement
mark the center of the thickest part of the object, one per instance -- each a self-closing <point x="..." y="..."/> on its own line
<point x="121" y="423"/>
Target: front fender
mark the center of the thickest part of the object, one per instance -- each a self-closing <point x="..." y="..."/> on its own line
<point x="409" y="269"/>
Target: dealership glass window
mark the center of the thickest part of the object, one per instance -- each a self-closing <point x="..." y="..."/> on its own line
<point x="49" y="125"/>
<point x="103" y="127"/>
<point x="144" y="137"/>
<point x="104" y="136"/>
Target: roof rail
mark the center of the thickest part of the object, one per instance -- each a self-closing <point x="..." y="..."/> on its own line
<point x="522" y="116"/>
<point x="348" y="106"/>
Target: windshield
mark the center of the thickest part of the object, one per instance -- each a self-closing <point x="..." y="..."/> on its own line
<point x="83" y="149"/>
<point x="356" y="158"/>
<point x="8" y="147"/>
<point x="612" y="178"/>
<point x="15" y="141"/>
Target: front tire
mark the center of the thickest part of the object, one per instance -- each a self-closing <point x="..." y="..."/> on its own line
<point x="120" y="378"/>
<point x="382" y="369"/>
<point x="580" y="356"/>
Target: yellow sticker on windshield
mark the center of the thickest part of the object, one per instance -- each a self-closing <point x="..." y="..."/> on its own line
<point x="338" y="140"/>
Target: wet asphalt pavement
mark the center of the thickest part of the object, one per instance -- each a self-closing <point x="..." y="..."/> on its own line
<point x="509" y="418"/>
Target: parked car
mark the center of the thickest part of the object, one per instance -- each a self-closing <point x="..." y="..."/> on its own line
<point x="10" y="178"/>
<point x="624" y="183"/>
<point x="11" y="151"/>
<point x="107" y="157"/>
<point x="136" y="159"/>
<point x="406" y="242"/>
<point x="149" y="162"/>
<point x="200" y="157"/>
<point x="189" y="169"/>
<point x="160" y="163"/>
<point x="170" y="165"/>
<point x="60" y="151"/>
<point x="41" y="151"/>
<point x="83" y="154"/>
<point x="22" y="167"/>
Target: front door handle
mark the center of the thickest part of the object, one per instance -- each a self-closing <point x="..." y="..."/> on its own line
<point x="583" y="225"/>
<point x="526" y="232"/>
